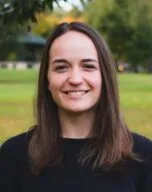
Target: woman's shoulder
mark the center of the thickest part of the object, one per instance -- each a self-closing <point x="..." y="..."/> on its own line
<point x="142" y="145"/>
<point x="16" y="145"/>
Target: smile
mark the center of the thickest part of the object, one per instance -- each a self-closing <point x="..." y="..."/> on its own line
<point x="76" y="93"/>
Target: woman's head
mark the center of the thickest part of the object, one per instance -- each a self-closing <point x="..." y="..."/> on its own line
<point x="70" y="44"/>
<point x="67" y="75"/>
<point x="74" y="75"/>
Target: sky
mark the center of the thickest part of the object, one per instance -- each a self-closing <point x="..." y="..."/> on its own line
<point x="67" y="5"/>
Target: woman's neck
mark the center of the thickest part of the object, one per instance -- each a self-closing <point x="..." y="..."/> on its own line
<point x="76" y="125"/>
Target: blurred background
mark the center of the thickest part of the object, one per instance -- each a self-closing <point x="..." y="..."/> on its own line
<point x="25" y="25"/>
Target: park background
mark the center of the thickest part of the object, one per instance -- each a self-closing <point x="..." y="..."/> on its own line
<point x="126" y="26"/>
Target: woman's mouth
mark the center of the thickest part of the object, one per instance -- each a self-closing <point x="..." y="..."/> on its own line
<point x="76" y="92"/>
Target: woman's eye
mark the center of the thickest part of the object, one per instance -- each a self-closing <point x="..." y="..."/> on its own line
<point x="61" y="68"/>
<point x="89" y="66"/>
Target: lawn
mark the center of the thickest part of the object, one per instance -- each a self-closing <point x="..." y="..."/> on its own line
<point x="18" y="89"/>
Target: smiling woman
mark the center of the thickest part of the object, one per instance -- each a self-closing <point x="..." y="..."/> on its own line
<point x="80" y="141"/>
<point x="75" y="79"/>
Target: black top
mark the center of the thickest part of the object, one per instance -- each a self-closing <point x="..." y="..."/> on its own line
<point x="71" y="177"/>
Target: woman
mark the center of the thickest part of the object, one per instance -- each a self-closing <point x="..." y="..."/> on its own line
<point x="80" y="141"/>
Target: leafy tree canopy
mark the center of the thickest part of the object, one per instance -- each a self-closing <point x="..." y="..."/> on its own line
<point x="126" y="25"/>
<point x="15" y="15"/>
<point x="19" y="11"/>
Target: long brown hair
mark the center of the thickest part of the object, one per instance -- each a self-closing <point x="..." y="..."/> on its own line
<point x="113" y="141"/>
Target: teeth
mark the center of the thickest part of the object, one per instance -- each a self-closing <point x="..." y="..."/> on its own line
<point x="73" y="93"/>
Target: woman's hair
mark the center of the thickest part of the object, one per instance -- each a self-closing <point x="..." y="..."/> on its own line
<point x="112" y="140"/>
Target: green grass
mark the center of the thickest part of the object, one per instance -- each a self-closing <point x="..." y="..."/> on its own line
<point x="18" y="76"/>
<point x="18" y="88"/>
<point x="136" y="101"/>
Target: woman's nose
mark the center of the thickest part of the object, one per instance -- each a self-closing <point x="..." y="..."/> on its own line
<point x="75" y="77"/>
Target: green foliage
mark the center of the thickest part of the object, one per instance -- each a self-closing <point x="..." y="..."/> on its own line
<point x="19" y="11"/>
<point x="18" y="89"/>
<point x="16" y="17"/>
<point x="12" y="56"/>
<point x="126" y="25"/>
<point x="47" y="21"/>
<point x="45" y="24"/>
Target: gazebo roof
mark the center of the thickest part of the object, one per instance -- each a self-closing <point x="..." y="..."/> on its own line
<point x="29" y="38"/>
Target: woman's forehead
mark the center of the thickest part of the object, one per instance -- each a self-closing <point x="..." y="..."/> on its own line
<point x="73" y="44"/>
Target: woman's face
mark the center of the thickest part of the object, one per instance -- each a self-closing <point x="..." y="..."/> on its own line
<point x="74" y="73"/>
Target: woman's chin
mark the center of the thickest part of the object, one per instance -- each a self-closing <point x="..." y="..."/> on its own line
<point x="76" y="110"/>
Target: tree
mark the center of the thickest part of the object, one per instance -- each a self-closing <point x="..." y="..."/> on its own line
<point x="16" y="15"/>
<point x="47" y="21"/>
<point x="126" y="25"/>
<point x="19" y="11"/>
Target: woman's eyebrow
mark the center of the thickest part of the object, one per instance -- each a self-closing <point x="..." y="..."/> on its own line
<point x="89" y="60"/>
<point x="59" y="61"/>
